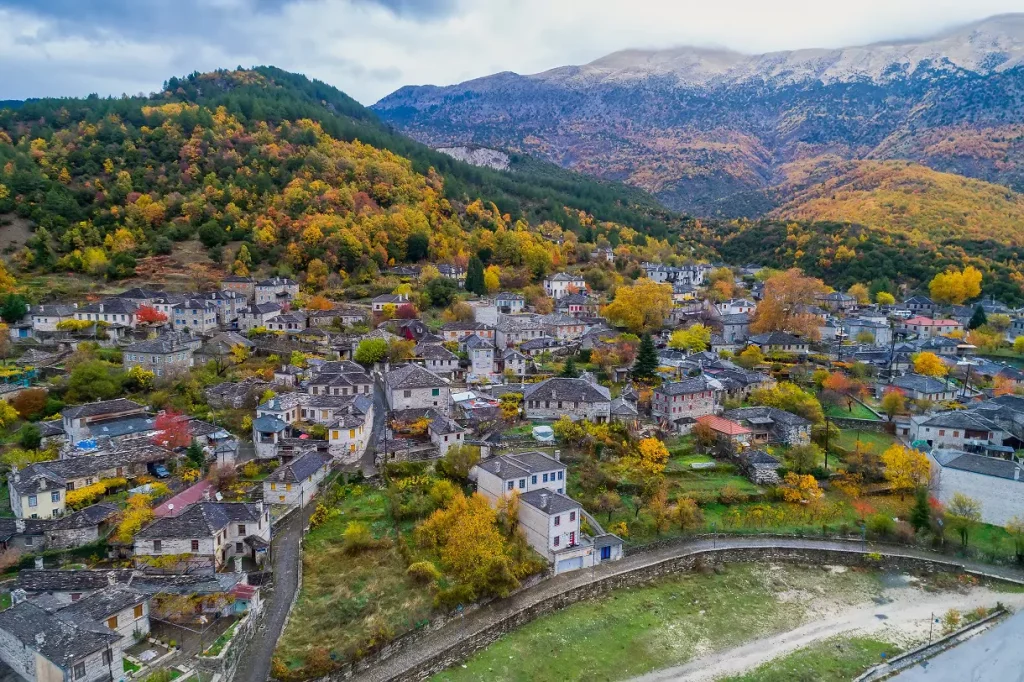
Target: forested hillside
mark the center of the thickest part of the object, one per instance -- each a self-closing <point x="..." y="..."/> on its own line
<point x="301" y="173"/>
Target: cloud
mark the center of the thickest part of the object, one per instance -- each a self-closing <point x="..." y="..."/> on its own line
<point x="369" y="48"/>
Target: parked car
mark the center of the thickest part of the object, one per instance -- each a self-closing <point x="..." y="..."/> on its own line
<point x="159" y="470"/>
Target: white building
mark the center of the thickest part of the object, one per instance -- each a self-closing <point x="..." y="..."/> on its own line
<point x="562" y="284"/>
<point x="412" y="386"/>
<point x="997" y="484"/>
<point x="296" y="483"/>
<point x="206" y="534"/>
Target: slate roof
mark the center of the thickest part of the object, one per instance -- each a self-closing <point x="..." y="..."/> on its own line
<point x="979" y="464"/>
<point x="563" y="388"/>
<point x="104" y="603"/>
<point x="9" y="527"/>
<point x="113" y="306"/>
<point x="92" y="515"/>
<point x="958" y="419"/>
<point x="684" y="387"/>
<point x="520" y="464"/>
<point x="623" y="408"/>
<point x="101" y="407"/>
<point x="300" y="468"/>
<point x="201" y="520"/>
<point x="735" y="318"/>
<point x="760" y="457"/>
<point x="549" y="501"/>
<point x="772" y="413"/>
<point x="564" y="277"/>
<point x="59" y="471"/>
<point x="268" y="424"/>
<point x="413" y="376"/>
<point x="777" y="339"/>
<point x="62" y="642"/>
<point x="277" y="282"/>
<point x="257" y="309"/>
<point x="465" y="326"/>
<point x="434" y="351"/>
<point x="921" y="384"/>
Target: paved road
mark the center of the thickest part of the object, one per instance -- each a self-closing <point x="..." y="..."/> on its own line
<point x="476" y="621"/>
<point x="996" y="655"/>
<point x="286" y="553"/>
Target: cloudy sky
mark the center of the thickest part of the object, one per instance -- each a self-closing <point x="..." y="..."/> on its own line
<point x="369" y="48"/>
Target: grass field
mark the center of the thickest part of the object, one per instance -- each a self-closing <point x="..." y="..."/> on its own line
<point x="346" y="600"/>
<point x="858" y="412"/>
<point x="835" y="660"/>
<point x="870" y="441"/>
<point x="636" y="630"/>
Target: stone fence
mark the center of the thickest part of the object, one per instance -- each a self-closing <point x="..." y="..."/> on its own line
<point x="518" y="610"/>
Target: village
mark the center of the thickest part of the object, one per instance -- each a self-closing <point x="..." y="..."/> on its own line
<point x="450" y="441"/>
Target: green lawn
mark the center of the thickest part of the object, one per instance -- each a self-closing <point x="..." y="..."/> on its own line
<point x="128" y="666"/>
<point x="835" y="660"/>
<point x="222" y="641"/>
<point x="5" y="601"/>
<point x="633" y="631"/>
<point x="870" y="441"/>
<point x="346" y="600"/>
<point x="858" y="412"/>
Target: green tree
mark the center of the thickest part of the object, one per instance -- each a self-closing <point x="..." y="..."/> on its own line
<point x="14" y="308"/>
<point x="371" y="351"/>
<point x="458" y="461"/>
<point x="440" y="292"/>
<point x="195" y="455"/>
<point x="94" y="380"/>
<point x="417" y="247"/>
<point x="29" y="437"/>
<point x="569" y="368"/>
<point x="978" y="318"/>
<point x="646" y="364"/>
<point x="963" y="513"/>
<point x="475" y="277"/>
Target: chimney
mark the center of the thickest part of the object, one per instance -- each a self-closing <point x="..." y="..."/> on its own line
<point x="238" y="564"/>
<point x="39" y="563"/>
<point x="206" y="495"/>
<point x="40" y="638"/>
<point x="19" y="525"/>
<point x="18" y="595"/>
<point x="1016" y="474"/>
<point x="558" y="455"/>
<point x="544" y="501"/>
<point x="111" y="578"/>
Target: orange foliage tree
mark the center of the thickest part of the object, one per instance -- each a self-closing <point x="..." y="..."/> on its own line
<point x="781" y="308"/>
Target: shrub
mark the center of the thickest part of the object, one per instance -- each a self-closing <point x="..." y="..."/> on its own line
<point x="423" y="572"/>
<point x="881" y="524"/>
<point x="731" y="494"/>
<point x="357" y="537"/>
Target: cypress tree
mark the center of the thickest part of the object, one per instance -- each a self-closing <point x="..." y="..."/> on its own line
<point x="978" y="319"/>
<point x="921" y="514"/>
<point x="646" y="359"/>
<point x="475" y="277"/>
<point x="569" y="368"/>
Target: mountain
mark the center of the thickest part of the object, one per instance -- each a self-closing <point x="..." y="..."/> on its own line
<point x="713" y="132"/>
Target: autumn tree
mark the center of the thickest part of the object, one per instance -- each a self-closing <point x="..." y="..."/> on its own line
<point x="459" y="460"/>
<point x="694" y="339"/>
<point x="802" y="489"/>
<point x="649" y="457"/>
<point x="687" y="515"/>
<point x="849" y="389"/>
<point x="172" y="430"/>
<point x="30" y="402"/>
<point x="885" y="298"/>
<point x="642" y="307"/>
<point x="492" y="278"/>
<point x="861" y="293"/>
<point x="905" y="468"/>
<point x="608" y="502"/>
<point x="782" y="306"/>
<point x="704" y="436"/>
<point x="963" y="513"/>
<point x="319" y="302"/>
<point x="460" y="311"/>
<point x="1015" y="529"/>
<point x="371" y="351"/>
<point x="147" y="314"/>
<point x="791" y="398"/>
<point x="929" y="364"/>
<point x="894" y="402"/>
<point x="751" y="357"/>
<point x="955" y="286"/>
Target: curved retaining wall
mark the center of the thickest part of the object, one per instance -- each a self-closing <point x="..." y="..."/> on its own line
<point x="465" y="640"/>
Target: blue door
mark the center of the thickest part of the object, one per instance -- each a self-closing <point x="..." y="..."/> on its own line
<point x="606" y="553"/>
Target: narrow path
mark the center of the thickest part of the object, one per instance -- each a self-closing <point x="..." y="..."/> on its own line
<point x="480" y="620"/>
<point x="995" y="654"/>
<point x="909" y="614"/>
<point x="286" y="550"/>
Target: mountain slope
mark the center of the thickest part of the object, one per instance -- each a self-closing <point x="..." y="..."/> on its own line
<point x="710" y="132"/>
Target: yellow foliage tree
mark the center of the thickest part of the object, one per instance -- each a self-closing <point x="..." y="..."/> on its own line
<point x="694" y="339"/>
<point x="861" y="293"/>
<point x="780" y="309"/>
<point x="884" y="298"/>
<point x="955" y="286"/>
<point x="905" y="469"/>
<point x="492" y="278"/>
<point x="797" y="488"/>
<point x="929" y="364"/>
<point x="642" y="307"/>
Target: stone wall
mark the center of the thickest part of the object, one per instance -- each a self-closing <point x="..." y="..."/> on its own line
<point x="465" y="647"/>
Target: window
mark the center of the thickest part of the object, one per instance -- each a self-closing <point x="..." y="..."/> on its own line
<point x="55" y="496"/>
<point x="435" y="392"/>
<point x="33" y="501"/>
<point x="555" y="541"/>
<point x="407" y="394"/>
<point x="138" y="611"/>
<point x="288" y="486"/>
<point x="241" y="529"/>
<point x="195" y="545"/>
<point x="112" y="622"/>
<point x="533" y="479"/>
<point x="29" y="541"/>
<point x="510" y="485"/>
<point x="273" y="486"/>
<point x="157" y="546"/>
<point x="558" y="520"/>
<point x="572" y="516"/>
<point x="351" y="433"/>
<point x="79" y="671"/>
<point x="108" y="657"/>
<point x="522" y="483"/>
<point x="545" y="478"/>
<point x="75" y="596"/>
<point x="560" y="474"/>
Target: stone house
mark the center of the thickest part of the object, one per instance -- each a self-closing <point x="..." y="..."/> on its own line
<point x="577" y="305"/>
<point x="280" y="290"/>
<point x="837" y="301"/>
<point x="436" y="358"/>
<point x="239" y="284"/>
<point x="412" y="386"/>
<point x="512" y="330"/>
<point x="114" y="311"/>
<point x="236" y="395"/>
<point x="257" y="315"/>
<point x="957" y="430"/>
<point x="509" y="303"/>
<point x="296" y="483"/>
<point x="563" y="327"/>
<point x="25" y="535"/>
<point x="998" y="484"/>
<point x="164" y="356"/>
<point x="378" y="302"/>
<point x="45" y="318"/>
<point x="772" y="425"/>
<point x="456" y="273"/>
<point x="460" y="331"/>
<point x="678" y="404"/>
<point x="120" y="608"/>
<point x="228" y="304"/>
<point x="515" y="362"/>
<point x="926" y="326"/>
<point x="780" y="342"/>
<point x="736" y="306"/>
<point x="919" y="387"/>
<point x="522" y="472"/>
<point x="760" y="467"/>
<point x="44" y="647"/>
<point x="444" y="432"/>
<point x="206" y="534"/>
<point x="481" y="357"/>
<point x="561" y="396"/>
<point x="197" y="315"/>
<point x="78" y="420"/>
<point x="350" y="431"/>
<point x="82" y="527"/>
<point x="339" y="377"/>
<point x="881" y="334"/>
<point x="288" y="323"/>
<point x="562" y="284"/>
<point x="732" y="437"/>
<point x="267" y="432"/>
<point x="920" y="305"/>
<point x="735" y="327"/>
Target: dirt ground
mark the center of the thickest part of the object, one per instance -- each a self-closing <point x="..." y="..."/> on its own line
<point x="902" y="614"/>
